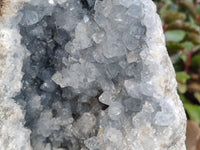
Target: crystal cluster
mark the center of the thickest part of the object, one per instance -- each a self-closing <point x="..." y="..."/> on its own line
<point x="95" y="75"/>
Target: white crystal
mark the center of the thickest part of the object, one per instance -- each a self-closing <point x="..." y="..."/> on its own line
<point x="81" y="41"/>
<point x="107" y="97"/>
<point x="77" y="76"/>
<point x="134" y="11"/>
<point x="30" y="17"/>
<point x="86" y="18"/>
<point x="126" y="3"/>
<point x="92" y="143"/>
<point x="61" y="1"/>
<point x="131" y="57"/>
<point x="113" y="46"/>
<point x="51" y="2"/>
<point x="113" y="135"/>
<point x="132" y="88"/>
<point x="130" y="40"/>
<point x="85" y="125"/>
<point x="98" y="37"/>
<point x="115" y="110"/>
<point x="166" y="116"/>
<point x="137" y="145"/>
<point x="45" y="124"/>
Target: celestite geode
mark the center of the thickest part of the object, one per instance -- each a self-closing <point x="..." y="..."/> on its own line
<point x="86" y="75"/>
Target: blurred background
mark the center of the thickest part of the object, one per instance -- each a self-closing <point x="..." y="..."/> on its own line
<point x="181" y="24"/>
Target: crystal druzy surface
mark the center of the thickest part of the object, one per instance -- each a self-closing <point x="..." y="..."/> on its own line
<point x="87" y="75"/>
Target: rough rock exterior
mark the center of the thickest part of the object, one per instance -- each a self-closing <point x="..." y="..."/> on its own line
<point x="86" y="75"/>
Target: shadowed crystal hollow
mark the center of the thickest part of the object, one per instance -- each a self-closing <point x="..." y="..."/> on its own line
<point x="86" y="75"/>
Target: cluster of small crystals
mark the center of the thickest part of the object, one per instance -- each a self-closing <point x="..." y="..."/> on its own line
<point x="55" y="115"/>
<point x="87" y="80"/>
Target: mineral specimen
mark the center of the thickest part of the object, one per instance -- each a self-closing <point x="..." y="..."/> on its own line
<point x="86" y="74"/>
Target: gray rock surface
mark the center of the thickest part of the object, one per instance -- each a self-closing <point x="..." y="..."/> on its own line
<point x="87" y="75"/>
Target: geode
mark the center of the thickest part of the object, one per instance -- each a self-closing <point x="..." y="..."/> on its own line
<point x="86" y="75"/>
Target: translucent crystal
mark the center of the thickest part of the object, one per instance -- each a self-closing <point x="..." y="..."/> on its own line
<point x="48" y="86"/>
<point x="131" y="57"/>
<point x="126" y="3"/>
<point x="92" y="143"/>
<point x="85" y="125"/>
<point x="61" y="37"/>
<point x="132" y="88"/>
<point x="106" y="97"/>
<point x="130" y="40"/>
<point x="30" y="17"/>
<point x="86" y="18"/>
<point x="98" y="37"/>
<point x="81" y="41"/>
<point x="61" y="1"/>
<point x="113" y="135"/>
<point x="91" y="3"/>
<point x="115" y="110"/>
<point x="113" y="46"/>
<point x="166" y="116"/>
<point x="51" y="2"/>
<point x="134" y="11"/>
<point x="132" y="105"/>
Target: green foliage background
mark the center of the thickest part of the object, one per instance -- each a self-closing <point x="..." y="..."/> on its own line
<point x="181" y="20"/>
